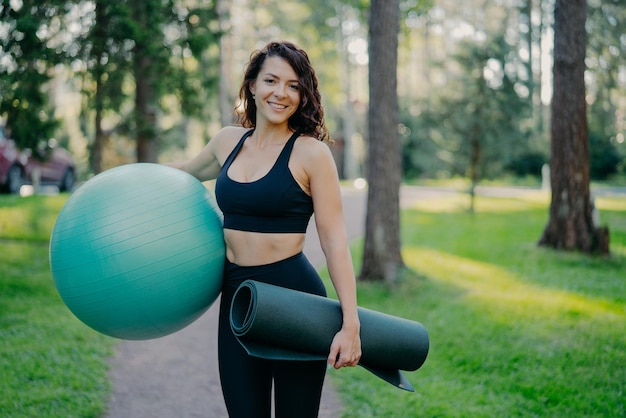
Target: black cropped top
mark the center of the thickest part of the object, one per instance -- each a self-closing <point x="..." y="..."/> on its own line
<point x="273" y="203"/>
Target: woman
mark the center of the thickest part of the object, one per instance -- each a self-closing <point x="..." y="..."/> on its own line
<point x="272" y="173"/>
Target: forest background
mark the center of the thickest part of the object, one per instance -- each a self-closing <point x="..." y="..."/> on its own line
<point x="469" y="73"/>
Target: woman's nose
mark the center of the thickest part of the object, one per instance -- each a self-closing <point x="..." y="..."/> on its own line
<point x="280" y="90"/>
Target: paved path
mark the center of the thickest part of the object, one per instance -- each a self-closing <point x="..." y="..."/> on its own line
<point x="176" y="376"/>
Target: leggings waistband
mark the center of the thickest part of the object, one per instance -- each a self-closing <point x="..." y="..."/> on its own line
<point x="294" y="272"/>
<point x="230" y="264"/>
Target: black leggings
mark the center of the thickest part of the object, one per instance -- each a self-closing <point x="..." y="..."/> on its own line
<point x="246" y="380"/>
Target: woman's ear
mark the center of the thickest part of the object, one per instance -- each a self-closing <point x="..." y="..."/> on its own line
<point x="251" y="88"/>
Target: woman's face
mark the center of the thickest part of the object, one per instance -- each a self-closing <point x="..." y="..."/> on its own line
<point x="277" y="91"/>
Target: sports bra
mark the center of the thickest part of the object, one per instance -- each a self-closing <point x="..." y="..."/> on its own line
<point x="273" y="203"/>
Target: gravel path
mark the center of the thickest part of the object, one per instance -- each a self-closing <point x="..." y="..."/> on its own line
<point x="176" y="376"/>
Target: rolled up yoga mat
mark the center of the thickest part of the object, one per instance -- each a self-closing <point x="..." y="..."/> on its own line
<point x="277" y="323"/>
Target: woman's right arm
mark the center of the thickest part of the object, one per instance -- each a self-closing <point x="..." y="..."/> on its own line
<point x="207" y="163"/>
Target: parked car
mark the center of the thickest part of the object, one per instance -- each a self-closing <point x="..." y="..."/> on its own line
<point x="55" y="164"/>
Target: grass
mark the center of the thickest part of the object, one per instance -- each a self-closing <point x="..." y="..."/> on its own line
<point x="51" y="364"/>
<point x="515" y="330"/>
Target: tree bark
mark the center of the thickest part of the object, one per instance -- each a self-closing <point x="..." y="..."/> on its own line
<point x="474" y="168"/>
<point x="382" y="258"/>
<point x="97" y="147"/>
<point x="144" y="67"/>
<point x="570" y="226"/>
<point x="145" y="111"/>
<point x="226" y="106"/>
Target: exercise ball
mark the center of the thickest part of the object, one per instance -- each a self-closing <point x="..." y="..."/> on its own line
<point x="137" y="252"/>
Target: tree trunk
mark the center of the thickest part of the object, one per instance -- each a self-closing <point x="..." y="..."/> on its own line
<point x="97" y="147"/>
<point x="348" y="168"/>
<point x="96" y="151"/>
<point x="570" y="226"/>
<point x="144" y="67"/>
<point x="226" y="105"/>
<point x="474" y="168"/>
<point x="145" y="111"/>
<point x="382" y="258"/>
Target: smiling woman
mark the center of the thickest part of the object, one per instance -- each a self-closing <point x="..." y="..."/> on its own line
<point x="272" y="173"/>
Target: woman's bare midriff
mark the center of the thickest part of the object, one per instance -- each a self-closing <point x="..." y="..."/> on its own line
<point x="255" y="248"/>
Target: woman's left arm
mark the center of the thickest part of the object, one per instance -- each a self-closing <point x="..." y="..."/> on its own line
<point x="323" y="182"/>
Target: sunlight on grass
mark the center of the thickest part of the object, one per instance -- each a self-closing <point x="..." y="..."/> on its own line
<point x="447" y="204"/>
<point x="611" y="203"/>
<point x="618" y="249"/>
<point x="527" y="199"/>
<point x="532" y="199"/>
<point x="499" y="291"/>
<point x="29" y="218"/>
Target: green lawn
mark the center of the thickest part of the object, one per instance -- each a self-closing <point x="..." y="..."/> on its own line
<point x="51" y="364"/>
<point x="515" y="330"/>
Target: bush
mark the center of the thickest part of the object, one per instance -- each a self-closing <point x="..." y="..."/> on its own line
<point x="527" y="164"/>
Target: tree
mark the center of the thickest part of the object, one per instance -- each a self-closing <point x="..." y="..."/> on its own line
<point x="106" y="67"/>
<point x="225" y="100"/>
<point x="164" y="52"/>
<point x="27" y="57"/>
<point x="570" y="226"/>
<point x="101" y="60"/>
<point x="382" y="258"/>
<point x="170" y="58"/>
<point x="483" y="115"/>
<point x="150" y="58"/>
<point x="605" y="62"/>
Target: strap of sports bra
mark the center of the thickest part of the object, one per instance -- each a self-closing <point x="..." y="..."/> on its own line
<point x="286" y="152"/>
<point x="235" y="150"/>
<point x="282" y="157"/>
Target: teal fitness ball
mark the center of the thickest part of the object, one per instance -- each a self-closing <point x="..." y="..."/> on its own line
<point x="137" y="252"/>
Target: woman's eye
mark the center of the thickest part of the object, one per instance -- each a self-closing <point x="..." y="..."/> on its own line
<point x="269" y="80"/>
<point x="295" y="87"/>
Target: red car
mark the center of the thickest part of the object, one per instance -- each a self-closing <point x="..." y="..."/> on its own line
<point x="17" y="167"/>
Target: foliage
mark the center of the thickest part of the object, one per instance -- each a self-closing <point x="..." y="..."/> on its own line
<point x="479" y="109"/>
<point x="407" y="7"/>
<point x="527" y="164"/>
<point x="432" y="146"/>
<point x="51" y="364"/>
<point x="606" y="57"/>
<point x="106" y="52"/>
<point x="606" y="52"/>
<point x="199" y="34"/>
<point x="165" y="47"/>
<point x="36" y="36"/>
<point x="27" y="55"/>
<point x="604" y="158"/>
<point x="67" y="33"/>
<point x="515" y="330"/>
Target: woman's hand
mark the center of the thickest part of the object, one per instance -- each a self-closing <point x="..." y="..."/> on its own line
<point x="345" y="349"/>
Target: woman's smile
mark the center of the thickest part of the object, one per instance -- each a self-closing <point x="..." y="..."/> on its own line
<point x="277" y="106"/>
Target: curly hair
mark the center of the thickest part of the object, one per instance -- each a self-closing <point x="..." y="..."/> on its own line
<point x="309" y="118"/>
